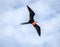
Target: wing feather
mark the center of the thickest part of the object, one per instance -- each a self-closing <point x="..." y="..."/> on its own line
<point x="31" y="13"/>
<point x="38" y="29"/>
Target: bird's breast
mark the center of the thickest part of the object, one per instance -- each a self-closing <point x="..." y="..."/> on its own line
<point x="34" y="23"/>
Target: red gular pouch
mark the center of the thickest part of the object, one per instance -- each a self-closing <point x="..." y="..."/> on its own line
<point x="34" y="23"/>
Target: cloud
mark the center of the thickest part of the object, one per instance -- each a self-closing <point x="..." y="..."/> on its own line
<point x="13" y="34"/>
<point x="6" y="5"/>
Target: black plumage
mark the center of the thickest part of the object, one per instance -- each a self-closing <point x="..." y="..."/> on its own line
<point x="31" y="21"/>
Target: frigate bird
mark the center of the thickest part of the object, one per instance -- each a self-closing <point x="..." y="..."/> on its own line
<point x="31" y="21"/>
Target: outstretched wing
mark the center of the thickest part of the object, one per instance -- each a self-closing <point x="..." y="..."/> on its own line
<point x="38" y="29"/>
<point x="31" y="13"/>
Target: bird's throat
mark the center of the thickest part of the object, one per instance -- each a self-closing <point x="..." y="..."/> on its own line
<point x="34" y="23"/>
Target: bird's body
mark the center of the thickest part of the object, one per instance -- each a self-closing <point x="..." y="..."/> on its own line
<point x="31" y="21"/>
<point x="34" y="23"/>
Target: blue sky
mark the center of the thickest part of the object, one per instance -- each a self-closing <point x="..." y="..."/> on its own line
<point x="15" y="12"/>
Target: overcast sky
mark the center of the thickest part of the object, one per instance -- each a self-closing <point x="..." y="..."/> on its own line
<point x="15" y="12"/>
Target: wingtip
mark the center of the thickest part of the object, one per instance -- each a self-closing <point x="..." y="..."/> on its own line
<point x="39" y="34"/>
<point x="30" y="9"/>
<point x="27" y="6"/>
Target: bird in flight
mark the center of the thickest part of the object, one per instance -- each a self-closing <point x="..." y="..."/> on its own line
<point x="31" y="21"/>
